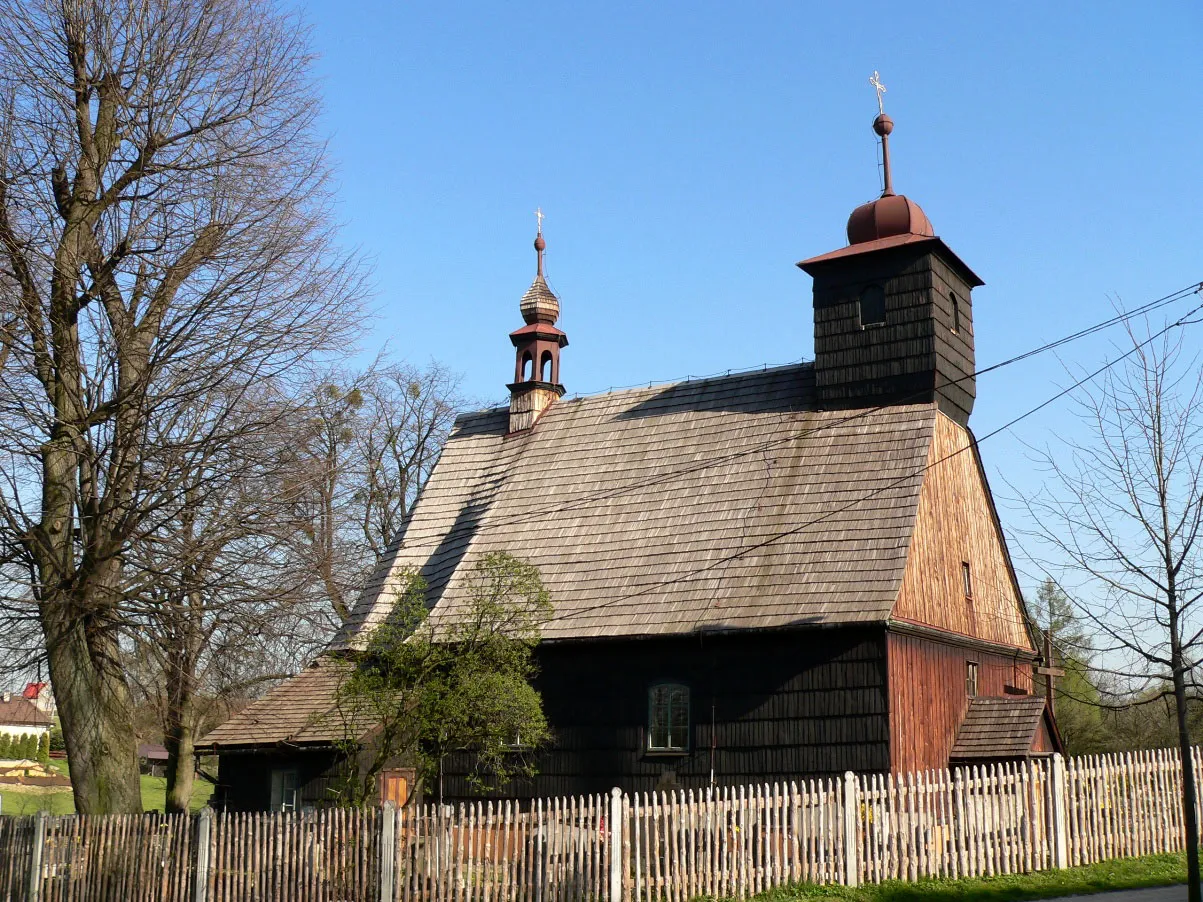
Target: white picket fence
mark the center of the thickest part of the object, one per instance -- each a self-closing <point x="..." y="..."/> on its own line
<point x="719" y="842"/>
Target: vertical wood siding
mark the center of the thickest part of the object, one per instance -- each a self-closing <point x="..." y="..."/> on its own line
<point x="928" y="695"/>
<point x="954" y="525"/>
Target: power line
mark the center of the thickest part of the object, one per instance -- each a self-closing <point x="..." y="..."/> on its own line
<point x="894" y="483"/>
<point x="537" y="513"/>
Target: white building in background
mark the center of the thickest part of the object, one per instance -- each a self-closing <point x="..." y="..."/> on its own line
<point x="20" y="717"/>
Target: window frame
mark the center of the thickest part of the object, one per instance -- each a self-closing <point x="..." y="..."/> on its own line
<point x="956" y="312"/>
<point x="280" y="778"/>
<point x="860" y="307"/>
<point x="967" y="579"/>
<point x="972" y="673"/>
<point x="669" y="748"/>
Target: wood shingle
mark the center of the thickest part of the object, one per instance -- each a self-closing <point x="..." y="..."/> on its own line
<point x="725" y="503"/>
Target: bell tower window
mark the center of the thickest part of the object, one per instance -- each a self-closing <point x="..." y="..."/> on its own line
<point x="956" y="313"/>
<point x="545" y="367"/>
<point x="872" y="306"/>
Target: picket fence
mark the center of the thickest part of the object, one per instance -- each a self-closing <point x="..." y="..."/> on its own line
<point x="674" y="846"/>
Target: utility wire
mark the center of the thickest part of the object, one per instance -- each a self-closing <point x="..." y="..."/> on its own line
<point x="538" y="513"/>
<point x="777" y="537"/>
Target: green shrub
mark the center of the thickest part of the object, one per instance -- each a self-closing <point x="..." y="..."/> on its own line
<point x="57" y="742"/>
<point x="6" y="745"/>
<point x="29" y="746"/>
<point x="44" y="748"/>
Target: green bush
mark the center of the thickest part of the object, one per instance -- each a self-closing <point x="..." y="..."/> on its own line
<point x="44" y="748"/>
<point x="6" y="745"/>
<point x="29" y="746"/>
<point x="57" y="742"/>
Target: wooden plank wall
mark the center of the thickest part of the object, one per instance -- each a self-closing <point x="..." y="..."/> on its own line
<point x="764" y="707"/>
<point x="954" y="525"/>
<point x="928" y="696"/>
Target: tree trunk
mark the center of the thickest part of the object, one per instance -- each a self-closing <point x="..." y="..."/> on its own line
<point x="1189" y="788"/>
<point x="95" y="709"/>
<point x="179" y="740"/>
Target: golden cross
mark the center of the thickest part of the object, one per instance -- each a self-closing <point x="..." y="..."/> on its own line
<point x="875" y="81"/>
<point x="539" y="216"/>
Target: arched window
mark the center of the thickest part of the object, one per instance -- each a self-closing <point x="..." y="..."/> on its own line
<point x="872" y="306"/>
<point x="956" y="312"/>
<point x="528" y="367"/>
<point x="668" y="718"/>
<point x="545" y="367"/>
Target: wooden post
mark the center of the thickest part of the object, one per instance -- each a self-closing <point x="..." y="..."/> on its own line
<point x="388" y="849"/>
<point x="851" y="829"/>
<point x="200" y="879"/>
<point x="615" y="844"/>
<point x="1060" y="846"/>
<point x="35" y="857"/>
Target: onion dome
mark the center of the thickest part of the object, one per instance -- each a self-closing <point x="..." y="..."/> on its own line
<point x="891" y="214"/>
<point x="540" y="304"/>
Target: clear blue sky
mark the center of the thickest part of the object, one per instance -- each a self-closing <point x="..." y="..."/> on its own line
<point x="688" y="154"/>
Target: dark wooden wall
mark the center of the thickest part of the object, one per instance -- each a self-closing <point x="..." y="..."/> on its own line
<point x="915" y="355"/>
<point x="785" y="704"/>
<point x="928" y="695"/>
<point x="244" y="779"/>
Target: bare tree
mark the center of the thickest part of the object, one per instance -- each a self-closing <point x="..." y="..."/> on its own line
<point x="164" y="237"/>
<point x="216" y="605"/>
<point x="1119" y="523"/>
<point x="366" y="445"/>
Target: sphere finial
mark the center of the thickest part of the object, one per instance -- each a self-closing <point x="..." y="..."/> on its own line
<point x="540" y="243"/>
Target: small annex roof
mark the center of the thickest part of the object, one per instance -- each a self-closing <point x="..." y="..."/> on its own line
<point x="302" y="710"/>
<point x="718" y="504"/>
<point x="999" y="727"/>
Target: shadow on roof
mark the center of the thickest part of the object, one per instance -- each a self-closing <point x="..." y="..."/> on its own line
<point x="782" y="389"/>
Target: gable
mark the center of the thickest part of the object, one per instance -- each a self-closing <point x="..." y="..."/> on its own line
<point x="956" y="525"/>
<point x="728" y="503"/>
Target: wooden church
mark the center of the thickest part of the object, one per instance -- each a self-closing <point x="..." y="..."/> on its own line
<point x="785" y="573"/>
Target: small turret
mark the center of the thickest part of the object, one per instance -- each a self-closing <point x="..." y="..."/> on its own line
<point x="536" y="384"/>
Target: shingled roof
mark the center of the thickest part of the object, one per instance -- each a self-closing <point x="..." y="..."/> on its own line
<point x="998" y="727"/>
<point x="725" y="503"/>
<point x="300" y="711"/>
<point x="19" y="712"/>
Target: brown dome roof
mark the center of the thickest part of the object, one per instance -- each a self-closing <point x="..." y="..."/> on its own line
<point x="540" y="304"/>
<point x="892" y="214"/>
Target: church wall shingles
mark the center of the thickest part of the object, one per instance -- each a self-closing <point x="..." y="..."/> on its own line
<point x="785" y="703"/>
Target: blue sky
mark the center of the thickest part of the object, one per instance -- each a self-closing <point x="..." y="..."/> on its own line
<point x="687" y="155"/>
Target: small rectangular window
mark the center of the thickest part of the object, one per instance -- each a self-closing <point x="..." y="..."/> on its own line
<point x="966" y="579"/>
<point x="971" y="679"/>
<point x="284" y="790"/>
<point x="668" y="718"/>
<point x="872" y="306"/>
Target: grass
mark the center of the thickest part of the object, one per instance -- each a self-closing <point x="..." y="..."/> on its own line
<point x="154" y="796"/>
<point x="1124" y="873"/>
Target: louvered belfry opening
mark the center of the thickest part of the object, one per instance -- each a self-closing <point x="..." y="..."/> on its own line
<point x="537" y="345"/>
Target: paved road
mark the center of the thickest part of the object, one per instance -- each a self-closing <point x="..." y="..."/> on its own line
<point x="1157" y="894"/>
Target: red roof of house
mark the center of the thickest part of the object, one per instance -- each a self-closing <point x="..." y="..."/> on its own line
<point x="33" y="690"/>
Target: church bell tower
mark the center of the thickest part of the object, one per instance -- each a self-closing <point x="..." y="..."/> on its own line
<point x="537" y="345"/>
<point x="893" y="309"/>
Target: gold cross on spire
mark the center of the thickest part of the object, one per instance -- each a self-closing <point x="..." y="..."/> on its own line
<point x="875" y="81"/>
<point x="539" y="216"/>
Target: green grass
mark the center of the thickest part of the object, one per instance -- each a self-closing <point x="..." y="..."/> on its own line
<point x="1125" y="873"/>
<point x="154" y="796"/>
